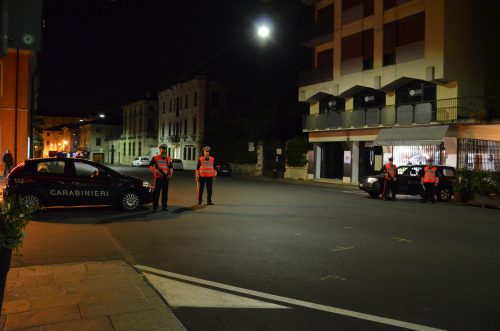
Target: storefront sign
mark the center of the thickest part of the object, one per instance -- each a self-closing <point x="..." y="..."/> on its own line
<point x="415" y="92"/>
<point x="370" y="98"/>
<point x="251" y="146"/>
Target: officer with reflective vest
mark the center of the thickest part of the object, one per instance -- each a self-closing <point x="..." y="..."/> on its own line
<point x="430" y="180"/>
<point x="389" y="171"/>
<point x="205" y="174"/>
<point x="162" y="169"/>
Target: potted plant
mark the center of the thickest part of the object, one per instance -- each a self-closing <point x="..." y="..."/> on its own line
<point x="463" y="185"/>
<point x="14" y="216"/>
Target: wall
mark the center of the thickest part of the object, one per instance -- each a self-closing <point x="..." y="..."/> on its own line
<point x="8" y="102"/>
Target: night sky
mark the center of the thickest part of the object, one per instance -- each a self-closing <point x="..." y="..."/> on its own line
<point x="100" y="54"/>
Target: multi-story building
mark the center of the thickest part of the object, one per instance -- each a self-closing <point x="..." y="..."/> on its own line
<point x="139" y="133"/>
<point x="60" y="138"/>
<point x="43" y="136"/>
<point x="183" y="111"/>
<point x="93" y="139"/>
<point x="401" y="78"/>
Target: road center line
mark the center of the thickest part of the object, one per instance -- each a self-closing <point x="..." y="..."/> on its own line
<point x="295" y="302"/>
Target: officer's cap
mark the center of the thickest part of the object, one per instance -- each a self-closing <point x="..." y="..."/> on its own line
<point x="163" y="146"/>
<point x="206" y="148"/>
<point x="390" y="159"/>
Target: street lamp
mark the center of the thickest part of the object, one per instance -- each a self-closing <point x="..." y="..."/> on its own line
<point x="263" y="31"/>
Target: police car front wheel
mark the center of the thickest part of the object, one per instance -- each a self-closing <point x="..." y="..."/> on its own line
<point x="130" y="201"/>
<point x="32" y="201"/>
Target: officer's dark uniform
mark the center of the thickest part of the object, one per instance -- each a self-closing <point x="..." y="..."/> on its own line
<point x="161" y="166"/>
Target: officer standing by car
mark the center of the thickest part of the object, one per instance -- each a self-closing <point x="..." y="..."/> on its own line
<point x="205" y="174"/>
<point x="161" y="166"/>
<point x="389" y="171"/>
<point x="429" y="180"/>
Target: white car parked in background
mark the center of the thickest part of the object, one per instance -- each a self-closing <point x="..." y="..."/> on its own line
<point x="177" y="164"/>
<point x="141" y="162"/>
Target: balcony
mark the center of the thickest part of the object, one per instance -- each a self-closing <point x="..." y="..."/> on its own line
<point x="315" y="76"/>
<point x="316" y="34"/>
<point x="456" y="110"/>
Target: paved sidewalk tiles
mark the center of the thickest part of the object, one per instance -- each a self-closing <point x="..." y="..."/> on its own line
<point x="83" y="296"/>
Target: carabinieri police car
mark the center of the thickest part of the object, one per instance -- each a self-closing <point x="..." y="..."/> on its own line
<point x="75" y="182"/>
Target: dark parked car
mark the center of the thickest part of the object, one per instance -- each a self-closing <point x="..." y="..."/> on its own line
<point x="75" y="182"/>
<point x="223" y="169"/>
<point x="408" y="182"/>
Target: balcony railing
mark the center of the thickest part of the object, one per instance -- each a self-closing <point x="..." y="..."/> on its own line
<point x="315" y="76"/>
<point x="466" y="109"/>
<point x="317" y="33"/>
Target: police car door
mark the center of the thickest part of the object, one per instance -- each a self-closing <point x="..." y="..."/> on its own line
<point x="51" y="178"/>
<point x="92" y="184"/>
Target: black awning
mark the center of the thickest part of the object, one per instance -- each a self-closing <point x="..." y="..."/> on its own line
<point x="423" y="135"/>
<point x="402" y="81"/>
<point x="318" y="97"/>
<point x="356" y="89"/>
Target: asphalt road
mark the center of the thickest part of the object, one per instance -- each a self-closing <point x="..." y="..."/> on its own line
<point x="327" y="248"/>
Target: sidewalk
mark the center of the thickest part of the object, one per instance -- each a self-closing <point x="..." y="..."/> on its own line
<point x="84" y="296"/>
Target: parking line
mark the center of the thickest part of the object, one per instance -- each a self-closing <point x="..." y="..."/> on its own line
<point x="295" y="302"/>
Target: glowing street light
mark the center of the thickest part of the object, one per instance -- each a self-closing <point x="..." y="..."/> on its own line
<point x="263" y="32"/>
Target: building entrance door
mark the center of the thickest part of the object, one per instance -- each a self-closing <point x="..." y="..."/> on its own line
<point x="332" y="160"/>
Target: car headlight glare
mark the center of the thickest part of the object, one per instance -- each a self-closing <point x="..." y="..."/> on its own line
<point x="372" y="180"/>
<point x="146" y="184"/>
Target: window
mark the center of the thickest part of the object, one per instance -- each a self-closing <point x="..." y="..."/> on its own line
<point x="215" y="99"/>
<point x="324" y="59"/>
<point x="129" y="148"/>
<point x="185" y="127"/>
<point x="151" y="126"/>
<point x="189" y="154"/>
<point x="406" y="31"/>
<point x="84" y="170"/>
<point x="124" y="149"/>
<point x="194" y="126"/>
<point x="170" y="106"/>
<point x="186" y="101"/>
<point x="388" y="4"/>
<point x="184" y="154"/>
<point x="195" y="99"/>
<point x="51" y="167"/>
<point x="139" y="152"/>
<point x="133" y="148"/>
<point x="325" y="15"/>
<point x="163" y="129"/>
<point x="169" y="128"/>
<point x="98" y="141"/>
<point x="48" y="143"/>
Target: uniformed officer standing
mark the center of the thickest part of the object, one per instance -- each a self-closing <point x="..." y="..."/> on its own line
<point x="205" y="173"/>
<point x="161" y="166"/>
<point x="389" y="171"/>
<point x="430" y="180"/>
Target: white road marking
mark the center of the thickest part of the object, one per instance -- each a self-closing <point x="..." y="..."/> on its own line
<point x="349" y="228"/>
<point x="340" y="248"/>
<point x="402" y="239"/>
<point x="181" y="294"/>
<point x="295" y="302"/>
<point x="334" y="277"/>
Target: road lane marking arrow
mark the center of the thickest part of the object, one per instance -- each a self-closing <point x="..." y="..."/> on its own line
<point x="290" y="301"/>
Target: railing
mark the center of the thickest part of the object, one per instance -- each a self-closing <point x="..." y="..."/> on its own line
<point x="439" y="111"/>
<point x="315" y="76"/>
